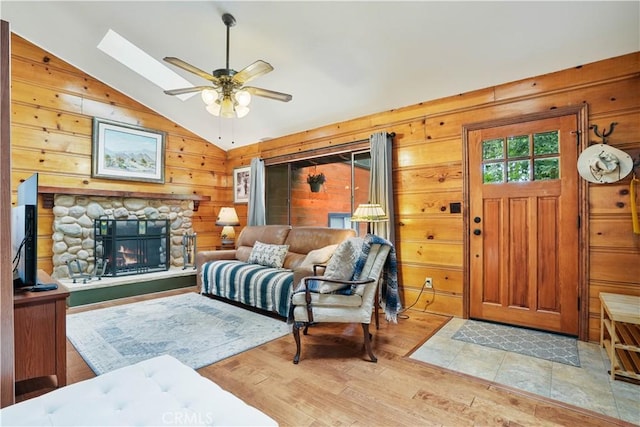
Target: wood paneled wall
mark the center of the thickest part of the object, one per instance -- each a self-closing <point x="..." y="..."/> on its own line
<point x="53" y="104"/>
<point x="428" y="165"/>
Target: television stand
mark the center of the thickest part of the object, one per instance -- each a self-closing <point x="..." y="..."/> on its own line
<point x="40" y="333"/>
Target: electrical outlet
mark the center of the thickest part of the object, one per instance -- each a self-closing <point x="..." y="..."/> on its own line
<point x="428" y="283"/>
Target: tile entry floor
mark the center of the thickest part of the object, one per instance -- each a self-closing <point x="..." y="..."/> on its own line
<point x="588" y="386"/>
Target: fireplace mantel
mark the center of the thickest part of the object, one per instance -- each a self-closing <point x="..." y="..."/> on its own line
<point x="49" y="192"/>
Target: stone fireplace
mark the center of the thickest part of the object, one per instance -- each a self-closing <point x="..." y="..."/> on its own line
<point x="75" y="237"/>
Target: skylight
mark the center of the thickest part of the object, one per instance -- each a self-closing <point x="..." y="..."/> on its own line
<point x="125" y="52"/>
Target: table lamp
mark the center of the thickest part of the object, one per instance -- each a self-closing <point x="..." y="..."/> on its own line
<point x="369" y="212"/>
<point x="227" y="217"/>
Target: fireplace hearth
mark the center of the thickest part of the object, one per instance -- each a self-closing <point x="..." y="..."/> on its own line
<point x="132" y="246"/>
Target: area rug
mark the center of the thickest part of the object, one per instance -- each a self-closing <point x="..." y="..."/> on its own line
<point x="543" y="345"/>
<point x="194" y="329"/>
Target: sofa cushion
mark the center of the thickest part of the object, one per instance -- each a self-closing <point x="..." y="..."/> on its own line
<point x="304" y="239"/>
<point x="271" y="234"/>
<point x="318" y="256"/>
<point x="268" y="255"/>
<point x="254" y="285"/>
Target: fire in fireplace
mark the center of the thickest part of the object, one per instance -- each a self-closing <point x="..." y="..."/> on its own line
<point x="132" y="246"/>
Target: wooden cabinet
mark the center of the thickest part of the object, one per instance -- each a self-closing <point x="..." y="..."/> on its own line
<point x="40" y="333"/>
<point x="620" y="333"/>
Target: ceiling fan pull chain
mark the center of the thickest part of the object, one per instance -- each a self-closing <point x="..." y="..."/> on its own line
<point x="233" y="132"/>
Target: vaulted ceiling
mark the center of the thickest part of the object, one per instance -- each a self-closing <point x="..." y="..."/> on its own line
<point x="339" y="60"/>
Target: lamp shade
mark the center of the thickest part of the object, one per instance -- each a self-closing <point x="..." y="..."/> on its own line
<point x="227" y="216"/>
<point x="369" y="212"/>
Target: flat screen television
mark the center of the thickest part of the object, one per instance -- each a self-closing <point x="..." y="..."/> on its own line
<point x="24" y="233"/>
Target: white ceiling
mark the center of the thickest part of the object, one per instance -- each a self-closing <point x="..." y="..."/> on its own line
<point x="339" y="60"/>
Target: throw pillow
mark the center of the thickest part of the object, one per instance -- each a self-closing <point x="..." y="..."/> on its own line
<point x="268" y="255"/>
<point x="342" y="264"/>
<point x="318" y="256"/>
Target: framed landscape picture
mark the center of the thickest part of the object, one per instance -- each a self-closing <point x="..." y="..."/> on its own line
<point x="129" y="152"/>
<point x="241" y="181"/>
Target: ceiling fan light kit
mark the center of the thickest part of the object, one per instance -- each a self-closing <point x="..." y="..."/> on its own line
<point x="225" y="106"/>
<point x="228" y="97"/>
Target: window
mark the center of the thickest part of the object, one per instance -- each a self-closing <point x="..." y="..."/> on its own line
<point x="340" y="220"/>
<point x="290" y="200"/>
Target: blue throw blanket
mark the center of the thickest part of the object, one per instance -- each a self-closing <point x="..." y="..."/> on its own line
<point x="389" y="279"/>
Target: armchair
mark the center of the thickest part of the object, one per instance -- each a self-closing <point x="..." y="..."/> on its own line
<point x="323" y="299"/>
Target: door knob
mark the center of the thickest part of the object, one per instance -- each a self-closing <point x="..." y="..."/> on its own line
<point x="477" y="232"/>
<point x="477" y="219"/>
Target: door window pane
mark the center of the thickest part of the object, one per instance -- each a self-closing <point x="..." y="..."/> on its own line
<point x="518" y="146"/>
<point x="493" y="149"/>
<point x="519" y="171"/>
<point x="493" y="173"/>
<point x="546" y="143"/>
<point x="548" y="168"/>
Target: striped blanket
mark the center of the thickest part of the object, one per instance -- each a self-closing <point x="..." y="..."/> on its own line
<point x="255" y="285"/>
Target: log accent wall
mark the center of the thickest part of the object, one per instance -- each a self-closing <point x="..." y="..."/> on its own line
<point x="428" y="175"/>
<point x="53" y="104"/>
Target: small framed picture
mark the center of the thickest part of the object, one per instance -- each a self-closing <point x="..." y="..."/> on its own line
<point x="128" y="152"/>
<point x="241" y="180"/>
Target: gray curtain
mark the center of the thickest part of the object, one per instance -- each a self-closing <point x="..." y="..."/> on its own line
<point x="256" y="212"/>
<point x="381" y="184"/>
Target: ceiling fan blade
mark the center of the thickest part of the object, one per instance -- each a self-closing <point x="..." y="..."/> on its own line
<point x="252" y="71"/>
<point x="190" y="68"/>
<point x="271" y="94"/>
<point x="186" y="90"/>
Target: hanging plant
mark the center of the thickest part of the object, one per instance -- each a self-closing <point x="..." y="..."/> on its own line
<point x="315" y="181"/>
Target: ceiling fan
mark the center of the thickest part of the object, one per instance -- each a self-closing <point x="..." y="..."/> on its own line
<point x="227" y="96"/>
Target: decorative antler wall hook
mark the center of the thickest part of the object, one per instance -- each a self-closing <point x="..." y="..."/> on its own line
<point x="605" y="134"/>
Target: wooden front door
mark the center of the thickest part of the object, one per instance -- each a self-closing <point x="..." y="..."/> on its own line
<point x="524" y="224"/>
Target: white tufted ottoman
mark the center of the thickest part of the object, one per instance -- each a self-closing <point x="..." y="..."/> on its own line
<point x="156" y="392"/>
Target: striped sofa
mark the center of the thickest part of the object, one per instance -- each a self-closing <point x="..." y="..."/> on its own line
<point x="227" y="274"/>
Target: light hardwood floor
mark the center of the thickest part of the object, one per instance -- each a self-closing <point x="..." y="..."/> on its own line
<point x="334" y="384"/>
